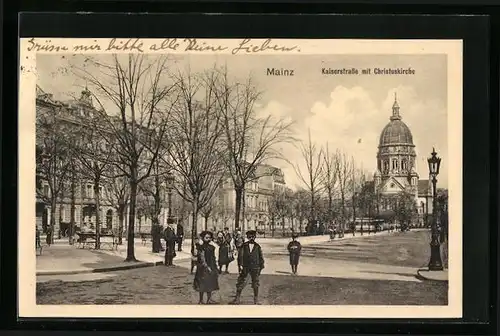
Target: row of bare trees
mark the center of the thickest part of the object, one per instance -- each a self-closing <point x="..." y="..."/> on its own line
<point x="149" y="121"/>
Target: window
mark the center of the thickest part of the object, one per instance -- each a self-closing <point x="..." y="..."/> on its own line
<point x="90" y="191"/>
<point x="386" y="166"/>
<point x="404" y="165"/>
<point x="46" y="190"/>
<point x="394" y="164"/>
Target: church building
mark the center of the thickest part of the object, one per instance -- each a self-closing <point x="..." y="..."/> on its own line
<point x="396" y="167"/>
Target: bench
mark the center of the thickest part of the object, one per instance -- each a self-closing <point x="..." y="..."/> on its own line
<point x="89" y="239"/>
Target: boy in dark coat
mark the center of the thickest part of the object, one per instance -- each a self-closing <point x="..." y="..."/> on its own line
<point x="294" y="248"/>
<point x="252" y="263"/>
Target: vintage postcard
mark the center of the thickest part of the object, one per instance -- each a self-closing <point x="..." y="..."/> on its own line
<point x="231" y="178"/>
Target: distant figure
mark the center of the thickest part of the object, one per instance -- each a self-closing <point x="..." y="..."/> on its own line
<point x="225" y="254"/>
<point x="206" y="277"/>
<point x="294" y="248"/>
<point x="38" y="243"/>
<point x="252" y="262"/>
<point x="48" y="238"/>
<point x="170" y="238"/>
<point x="180" y="236"/>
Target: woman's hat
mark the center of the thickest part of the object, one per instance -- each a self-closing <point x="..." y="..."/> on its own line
<point x="204" y="233"/>
<point x="295" y="235"/>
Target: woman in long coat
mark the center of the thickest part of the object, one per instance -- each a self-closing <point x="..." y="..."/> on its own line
<point x="206" y="278"/>
<point x="225" y="253"/>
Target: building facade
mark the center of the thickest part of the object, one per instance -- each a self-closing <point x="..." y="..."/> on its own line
<point x="72" y="114"/>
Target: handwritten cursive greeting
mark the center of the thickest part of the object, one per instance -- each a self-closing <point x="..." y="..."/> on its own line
<point x="240" y="46"/>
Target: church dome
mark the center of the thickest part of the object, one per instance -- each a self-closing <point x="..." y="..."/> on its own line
<point x="396" y="131"/>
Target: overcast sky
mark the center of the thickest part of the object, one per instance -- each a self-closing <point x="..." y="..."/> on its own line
<point x="347" y="111"/>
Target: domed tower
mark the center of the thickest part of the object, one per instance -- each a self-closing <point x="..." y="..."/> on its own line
<point x="396" y="157"/>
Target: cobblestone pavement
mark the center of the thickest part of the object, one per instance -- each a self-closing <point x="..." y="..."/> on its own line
<point x="173" y="285"/>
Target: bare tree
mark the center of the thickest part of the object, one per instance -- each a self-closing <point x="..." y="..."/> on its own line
<point x="196" y="150"/>
<point x="117" y="193"/>
<point x="133" y="101"/>
<point x="209" y="210"/>
<point x="53" y="157"/>
<point x="93" y="153"/>
<point x="153" y="199"/>
<point x="300" y="208"/>
<point x="330" y="179"/>
<point x="250" y="141"/>
<point x="345" y="170"/>
<point x="312" y="177"/>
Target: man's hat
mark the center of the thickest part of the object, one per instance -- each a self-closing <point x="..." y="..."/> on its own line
<point x="251" y="233"/>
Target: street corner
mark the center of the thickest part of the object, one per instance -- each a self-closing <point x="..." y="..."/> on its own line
<point x="427" y="275"/>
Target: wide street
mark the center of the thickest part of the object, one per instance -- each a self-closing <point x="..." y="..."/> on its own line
<point x="370" y="270"/>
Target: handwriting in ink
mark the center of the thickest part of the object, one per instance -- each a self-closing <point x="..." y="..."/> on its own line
<point x="46" y="46"/>
<point x="247" y="47"/>
<point x="166" y="44"/>
<point x="194" y="45"/>
<point x="125" y="45"/>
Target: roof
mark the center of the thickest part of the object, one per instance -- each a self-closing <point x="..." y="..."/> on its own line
<point x="396" y="132"/>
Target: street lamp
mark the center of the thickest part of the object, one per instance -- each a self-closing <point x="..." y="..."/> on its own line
<point x="435" y="263"/>
<point x="170" y="185"/>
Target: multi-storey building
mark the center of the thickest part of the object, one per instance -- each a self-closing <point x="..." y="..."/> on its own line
<point x="73" y="113"/>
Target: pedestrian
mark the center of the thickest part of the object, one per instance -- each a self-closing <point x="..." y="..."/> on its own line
<point x="252" y="262"/>
<point x="206" y="277"/>
<point x="225" y="254"/>
<point x="294" y="248"/>
<point x="170" y="238"/>
<point x="180" y="236"/>
<point x="48" y="238"/>
<point x="238" y="243"/>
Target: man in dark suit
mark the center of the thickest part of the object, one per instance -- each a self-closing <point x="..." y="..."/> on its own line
<point x="170" y="238"/>
<point x="180" y="236"/>
<point x="252" y="263"/>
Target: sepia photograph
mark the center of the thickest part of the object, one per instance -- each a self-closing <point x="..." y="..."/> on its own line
<point x="285" y="178"/>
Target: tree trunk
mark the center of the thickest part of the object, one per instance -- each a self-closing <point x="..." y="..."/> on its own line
<point x="131" y="221"/>
<point x="239" y="194"/>
<point x="73" y="206"/>
<point x="283" y="225"/>
<point x="244" y="222"/>
<point x="121" y="218"/>
<point x="53" y="204"/>
<point x="82" y="215"/>
<point x="194" y="226"/>
<point x="97" y="198"/>
<point x="206" y="222"/>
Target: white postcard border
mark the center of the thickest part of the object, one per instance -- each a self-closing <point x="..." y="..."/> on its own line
<point x="27" y="306"/>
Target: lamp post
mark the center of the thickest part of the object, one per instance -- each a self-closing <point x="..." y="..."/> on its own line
<point x="435" y="263"/>
<point x="170" y="184"/>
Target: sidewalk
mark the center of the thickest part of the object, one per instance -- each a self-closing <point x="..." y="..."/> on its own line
<point x="65" y="259"/>
<point x="425" y="274"/>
